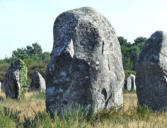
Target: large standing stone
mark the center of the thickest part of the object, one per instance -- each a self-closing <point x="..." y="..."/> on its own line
<point x="86" y="63"/>
<point x="130" y="83"/>
<point x="38" y="82"/>
<point x="151" y="72"/>
<point x="14" y="81"/>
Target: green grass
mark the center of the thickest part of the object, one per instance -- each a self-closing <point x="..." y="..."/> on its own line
<point x="125" y="91"/>
<point x="129" y="72"/>
<point x="38" y="95"/>
<point x="30" y="113"/>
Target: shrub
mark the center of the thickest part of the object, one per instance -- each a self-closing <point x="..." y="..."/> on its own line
<point x="3" y="68"/>
<point x="128" y="72"/>
<point x="22" y="78"/>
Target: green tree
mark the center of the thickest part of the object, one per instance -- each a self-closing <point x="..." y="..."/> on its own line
<point x="34" y="51"/>
<point x="122" y="40"/>
<point x="133" y="54"/>
<point x="20" y="53"/>
<point x="139" y="40"/>
<point x="37" y="50"/>
<point x="45" y="56"/>
<point x="130" y="52"/>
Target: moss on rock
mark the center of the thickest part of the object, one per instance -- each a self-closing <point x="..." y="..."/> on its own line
<point x="22" y="78"/>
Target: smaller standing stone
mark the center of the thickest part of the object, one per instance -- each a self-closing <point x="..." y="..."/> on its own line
<point x="130" y="83"/>
<point x="151" y="72"/>
<point x="14" y="82"/>
<point x="0" y="86"/>
<point x="38" y="82"/>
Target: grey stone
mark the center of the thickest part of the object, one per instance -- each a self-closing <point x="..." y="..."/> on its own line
<point x="38" y="82"/>
<point x="0" y="86"/>
<point x="130" y="83"/>
<point x="86" y="63"/>
<point x="11" y="81"/>
<point x="151" y="72"/>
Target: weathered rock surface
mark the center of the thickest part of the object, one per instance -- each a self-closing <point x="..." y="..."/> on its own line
<point x="86" y="63"/>
<point x="38" y="82"/>
<point x="0" y="86"/>
<point x="151" y="72"/>
<point x="14" y="79"/>
<point x="130" y="83"/>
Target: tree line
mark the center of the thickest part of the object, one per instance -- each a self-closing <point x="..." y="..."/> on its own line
<point x="31" y="52"/>
<point x="37" y="60"/>
<point x="32" y="55"/>
<point x="130" y="52"/>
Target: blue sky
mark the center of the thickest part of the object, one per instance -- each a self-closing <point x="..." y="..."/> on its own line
<point x="23" y="22"/>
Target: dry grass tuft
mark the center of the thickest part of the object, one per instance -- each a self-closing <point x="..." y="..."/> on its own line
<point x="27" y="107"/>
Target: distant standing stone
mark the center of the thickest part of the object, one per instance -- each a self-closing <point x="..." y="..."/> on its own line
<point x="0" y="86"/>
<point x="130" y="83"/>
<point x="86" y="63"/>
<point x="151" y="72"/>
<point x="38" y="82"/>
<point x="14" y="79"/>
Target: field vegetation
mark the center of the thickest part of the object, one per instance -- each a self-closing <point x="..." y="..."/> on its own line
<point x="30" y="112"/>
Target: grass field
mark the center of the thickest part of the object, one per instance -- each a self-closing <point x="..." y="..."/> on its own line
<point x="30" y="113"/>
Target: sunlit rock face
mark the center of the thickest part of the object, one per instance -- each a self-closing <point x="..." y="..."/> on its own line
<point x="0" y="86"/>
<point x="151" y="72"/>
<point x="130" y="84"/>
<point x="85" y="69"/>
<point x="38" y="82"/>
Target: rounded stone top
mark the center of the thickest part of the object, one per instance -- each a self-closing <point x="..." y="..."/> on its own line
<point x="154" y="47"/>
<point x="86" y="28"/>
